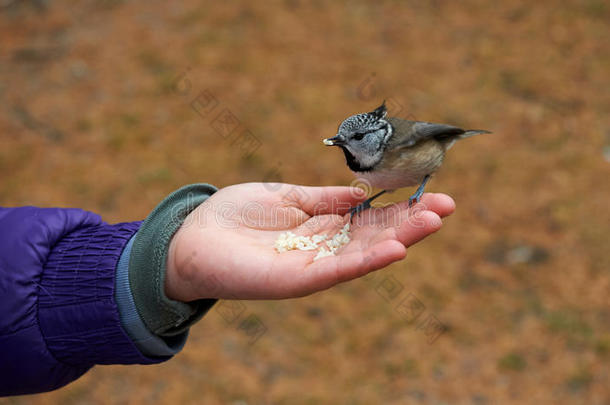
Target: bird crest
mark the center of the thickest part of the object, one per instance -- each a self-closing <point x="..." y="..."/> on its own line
<point x="380" y="112"/>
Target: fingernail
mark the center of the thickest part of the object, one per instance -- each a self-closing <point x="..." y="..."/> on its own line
<point x="359" y="192"/>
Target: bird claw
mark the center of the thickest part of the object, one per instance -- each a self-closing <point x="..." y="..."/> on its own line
<point x="365" y="205"/>
<point x="415" y="198"/>
<point x="420" y="191"/>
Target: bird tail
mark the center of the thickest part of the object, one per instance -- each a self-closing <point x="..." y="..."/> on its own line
<point x="472" y="132"/>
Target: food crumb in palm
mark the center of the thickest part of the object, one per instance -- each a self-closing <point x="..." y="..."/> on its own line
<point x="290" y="241"/>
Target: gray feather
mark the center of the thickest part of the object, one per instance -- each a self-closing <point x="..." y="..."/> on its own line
<point x="472" y="132"/>
<point x="408" y="133"/>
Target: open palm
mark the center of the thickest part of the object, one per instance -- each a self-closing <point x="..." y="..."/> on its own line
<point x="225" y="248"/>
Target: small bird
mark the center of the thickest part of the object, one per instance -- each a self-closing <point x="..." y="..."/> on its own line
<point x="391" y="153"/>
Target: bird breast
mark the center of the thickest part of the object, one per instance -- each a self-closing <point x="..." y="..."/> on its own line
<point x="406" y="166"/>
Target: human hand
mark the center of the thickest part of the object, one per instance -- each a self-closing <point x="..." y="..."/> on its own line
<point x="225" y="248"/>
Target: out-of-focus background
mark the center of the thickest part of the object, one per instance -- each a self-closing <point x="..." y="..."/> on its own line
<point x="110" y="105"/>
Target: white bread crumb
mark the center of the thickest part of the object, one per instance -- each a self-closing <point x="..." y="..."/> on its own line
<point x="289" y="241"/>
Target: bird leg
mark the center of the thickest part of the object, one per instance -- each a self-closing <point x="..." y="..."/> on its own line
<point x="365" y="205"/>
<point x="420" y="191"/>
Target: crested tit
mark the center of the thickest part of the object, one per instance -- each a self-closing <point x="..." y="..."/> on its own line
<point x="391" y="153"/>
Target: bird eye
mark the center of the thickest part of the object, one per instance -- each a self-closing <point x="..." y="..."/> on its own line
<point x="359" y="135"/>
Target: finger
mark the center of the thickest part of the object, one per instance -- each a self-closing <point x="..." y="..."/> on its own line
<point x="381" y="255"/>
<point x="417" y="227"/>
<point x="440" y="203"/>
<point x="328" y="200"/>
<point x="332" y="270"/>
<point x="396" y="213"/>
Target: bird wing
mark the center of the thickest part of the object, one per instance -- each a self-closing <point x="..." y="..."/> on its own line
<point x="408" y="133"/>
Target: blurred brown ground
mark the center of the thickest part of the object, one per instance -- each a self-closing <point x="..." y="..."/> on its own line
<point x="92" y="116"/>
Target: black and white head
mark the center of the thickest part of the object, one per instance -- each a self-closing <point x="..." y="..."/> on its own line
<point x="363" y="138"/>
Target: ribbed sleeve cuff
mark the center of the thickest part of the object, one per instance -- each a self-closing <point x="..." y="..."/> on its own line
<point x="161" y="315"/>
<point x="77" y="311"/>
<point x="148" y="343"/>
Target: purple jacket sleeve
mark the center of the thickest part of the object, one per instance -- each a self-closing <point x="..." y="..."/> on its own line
<point x="58" y="316"/>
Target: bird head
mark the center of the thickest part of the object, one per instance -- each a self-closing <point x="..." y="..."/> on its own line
<point x="363" y="138"/>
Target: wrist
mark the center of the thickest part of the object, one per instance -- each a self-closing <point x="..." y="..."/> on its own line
<point x="185" y="279"/>
<point x="175" y="287"/>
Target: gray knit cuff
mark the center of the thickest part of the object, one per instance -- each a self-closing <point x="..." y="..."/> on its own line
<point x="162" y="315"/>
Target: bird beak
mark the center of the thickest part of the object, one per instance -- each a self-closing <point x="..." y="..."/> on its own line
<point x="334" y="141"/>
